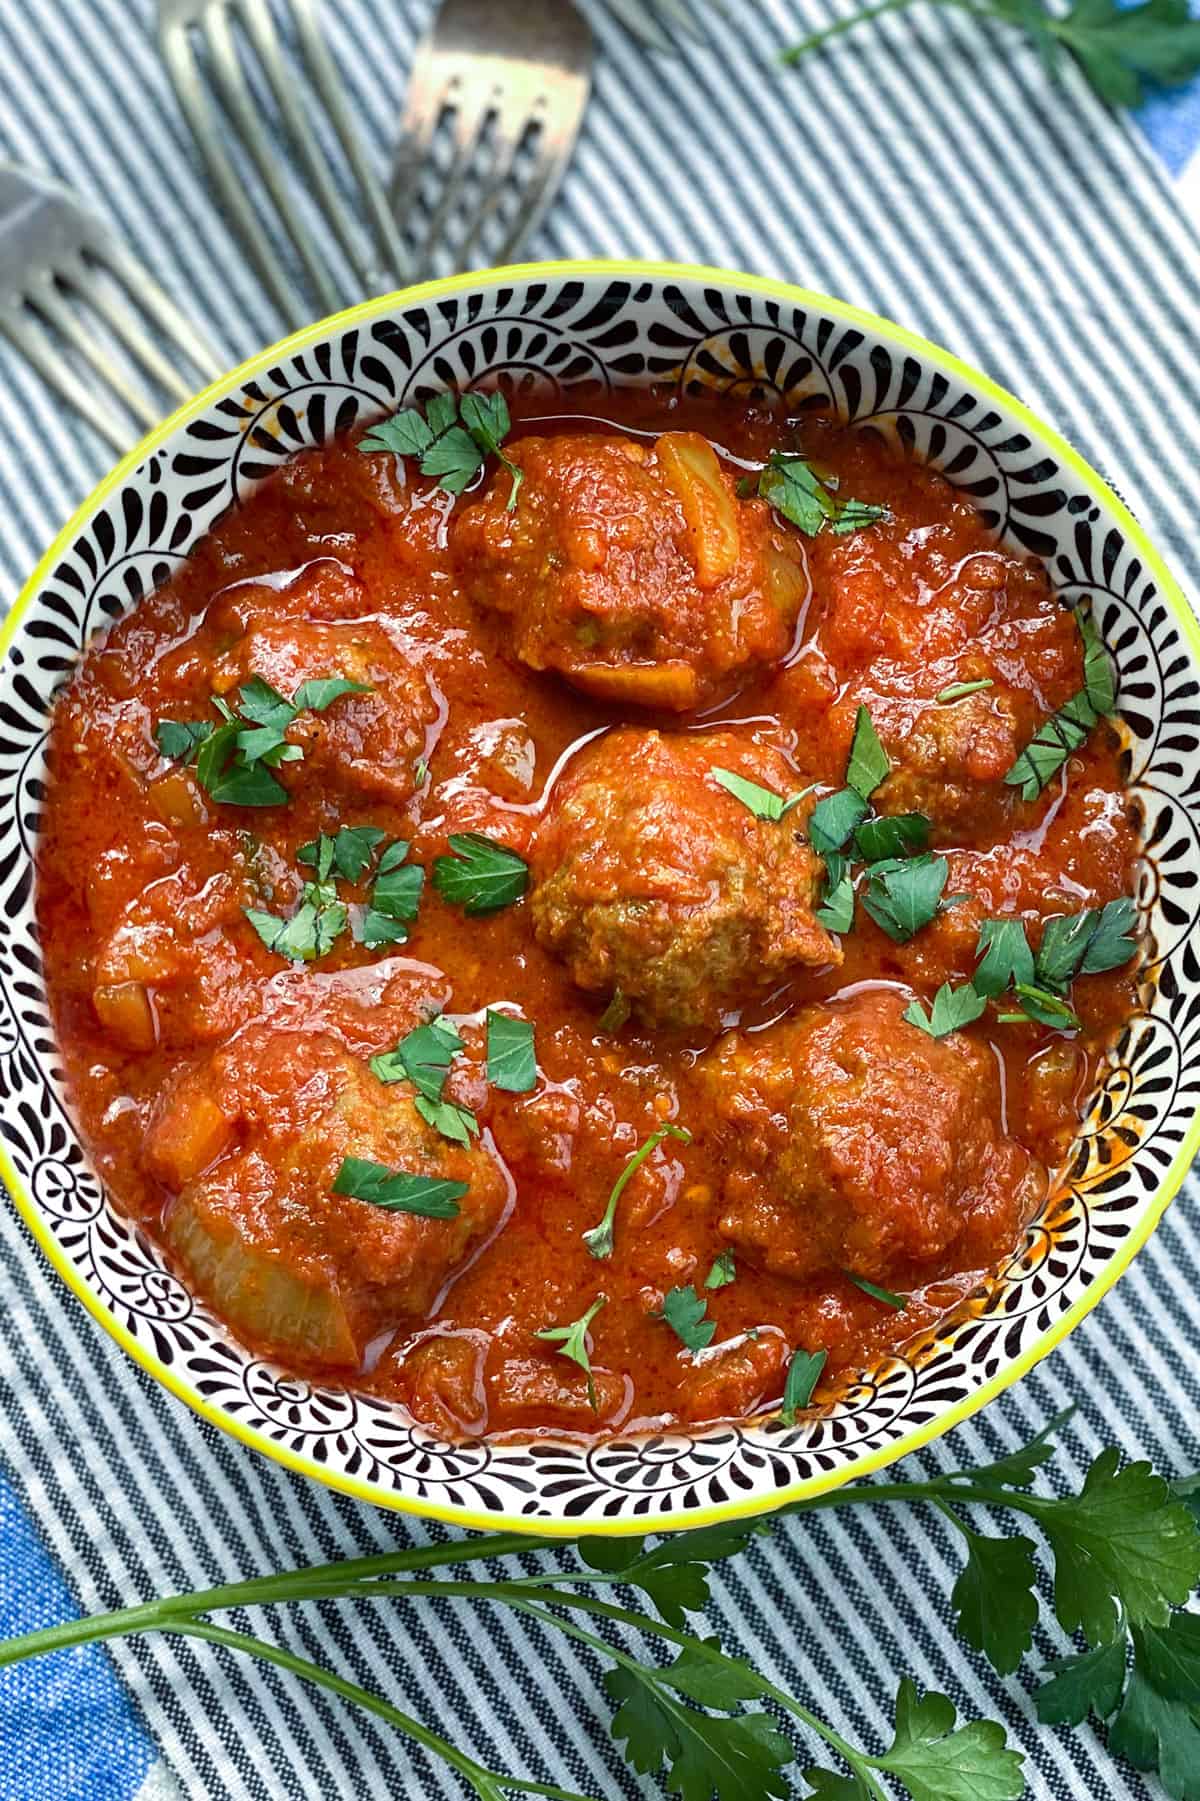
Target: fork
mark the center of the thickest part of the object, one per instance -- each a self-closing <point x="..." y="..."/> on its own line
<point x="188" y="29"/>
<point x="507" y="87"/>
<point x="66" y="281"/>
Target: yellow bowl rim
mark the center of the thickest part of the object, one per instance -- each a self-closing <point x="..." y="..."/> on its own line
<point x="617" y="269"/>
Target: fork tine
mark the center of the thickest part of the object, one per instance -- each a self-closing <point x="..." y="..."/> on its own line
<point x="260" y="28"/>
<point x="45" y="300"/>
<point x="473" y="106"/>
<point x="29" y="336"/>
<point x="513" y="120"/>
<point x="427" y="101"/>
<point x="235" y="95"/>
<point x="389" y="243"/>
<point x="126" y="327"/>
<point x="158" y="305"/>
<point x="185" y="77"/>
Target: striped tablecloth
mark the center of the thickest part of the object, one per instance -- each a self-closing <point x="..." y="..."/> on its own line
<point x="927" y="170"/>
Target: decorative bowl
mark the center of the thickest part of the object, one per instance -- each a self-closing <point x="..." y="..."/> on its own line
<point x="570" y="325"/>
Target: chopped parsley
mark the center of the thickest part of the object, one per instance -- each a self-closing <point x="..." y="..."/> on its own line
<point x="880" y="839"/>
<point x="897" y="1302"/>
<point x="869" y="764"/>
<point x="397" y="1192"/>
<point x="687" y="1315"/>
<point x="511" y="1058"/>
<point x="904" y="894"/>
<point x="960" y="691"/>
<point x="572" y="1342"/>
<point x="1045" y="1008"/>
<point x="810" y="501"/>
<point x="322" y="917"/>
<point x="234" y="760"/>
<point x="1066" y="730"/>
<point x="836" y="911"/>
<point x="312" y="930"/>
<point x="616" y="1014"/>
<point x="952" y="1009"/>
<point x="723" y="1271"/>
<point x="834" y="820"/>
<point x="351" y="851"/>
<point x="762" y="802"/>
<point x="599" y="1240"/>
<point x="480" y="875"/>
<point x="423" y="1057"/>
<point x="451" y="440"/>
<point x="804" y="1372"/>
<point x="1005" y="957"/>
<point x="1087" y="943"/>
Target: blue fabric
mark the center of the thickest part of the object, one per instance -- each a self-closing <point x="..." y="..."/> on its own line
<point x="68" y="1726"/>
<point x="116" y="1493"/>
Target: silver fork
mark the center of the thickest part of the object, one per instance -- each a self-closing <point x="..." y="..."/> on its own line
<point x="507" y="85"/>
<point x="191" y="29"/>
<point x="64" y="276"/>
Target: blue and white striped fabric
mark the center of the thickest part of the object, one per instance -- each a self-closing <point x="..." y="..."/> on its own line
<point x="929" y="171"/>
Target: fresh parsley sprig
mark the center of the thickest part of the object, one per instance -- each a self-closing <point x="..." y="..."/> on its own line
<point x="572" y="1342"/>
<point x="396" y="1191"/>
<point x="686" y="1312"/>
<point x="1068" y="729"/>
<point x="423" y="1057"/>
<point x="1126" y="1551"/>
<point x="451" y="440"/>
<point x="599" y="1240"/>
<point x="322" y="917"/>
<point x="1118" y="49"/>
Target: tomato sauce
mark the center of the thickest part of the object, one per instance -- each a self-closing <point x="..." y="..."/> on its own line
<point x="217" y="1085"/>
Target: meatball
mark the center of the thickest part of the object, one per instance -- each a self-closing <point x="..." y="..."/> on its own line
<point x="949" y="761"/>
<point x="253" y="1142"/>
<point x="650" y="877"/>
<point x="635" y="571"/>
<point x="857" y="1142"/>
<point x="364" y="745"/>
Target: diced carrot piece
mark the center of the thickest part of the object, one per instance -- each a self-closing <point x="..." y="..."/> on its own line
<point x="124" y="1009"/>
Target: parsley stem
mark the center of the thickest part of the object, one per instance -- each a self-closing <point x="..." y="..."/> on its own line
<point x="599" y="1240"/>
<point x="486" y="1783"/>
<point x="817" y="39"/>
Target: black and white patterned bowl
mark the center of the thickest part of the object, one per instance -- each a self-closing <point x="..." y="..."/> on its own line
<point x="571" y="325"/>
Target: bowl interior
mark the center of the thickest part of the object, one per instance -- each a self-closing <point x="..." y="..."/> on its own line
<point x="582" y="329"/>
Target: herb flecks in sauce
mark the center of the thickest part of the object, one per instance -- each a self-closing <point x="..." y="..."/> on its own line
<point x="572" y="1342"/>
<point x="234" y="759"/>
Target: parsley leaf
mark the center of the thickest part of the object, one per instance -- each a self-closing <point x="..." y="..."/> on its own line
<point x="1005" y="956"/>
<point x="737" y="1756"/>
<point x="1158" y="1711"/>
<point x="687" y="1315"/>
<point x="937" y="1762"/>
<point x="993" y="1599"/>
<point x="396" y="892"/>
<point x="723" y="1271"/>
<point x="376" y="929"/>
<point x="836" y="912"/>
<point x="311" y="931"/>
<point x="1119" y="49"/>
<point x="352" y="850"/>
<point x="804" y="1372"/>
<point x="397" y="1192"/>
<point x="318" y="695"/>
<point x="792" y="486"/>
<point x="453" y="452"/>
<point x="833" y="820"/>
<point x="674" y="1572"/>
<point x="952" y="1009"/>
<point x="1086" y="943"/>
<point x="599" y="1240"/>
<point x="897" y="1302"/>
<point x="456" y="1123"/>
<point x="880" y="839"/>
<point x="1077" y="1686"/>
<point x="180" y="739"/>
<point x="960" y="691"/>
<point x="902" y="896"/>
<point x="1099" y="682"/>
<point x="480" y="875"/>
<point x="572" y="1342"/>
<point x="762" y="802"/>
<point x="422" y="1057"/>
<point x="1123" y="1545"/>
<point x="1057" y="738"/>
<point x="869" y="764"/>
<point x="487" y="419"/>
<point x="511" y="1059"/>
